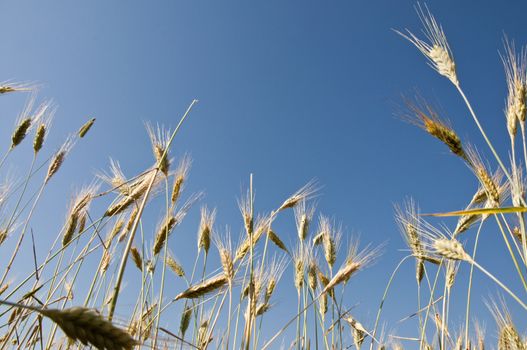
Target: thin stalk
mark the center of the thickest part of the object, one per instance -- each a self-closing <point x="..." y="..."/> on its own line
<point x="165" y="254"/>
<point x="513" y="256"/>
<point x="419" y="317"/>
<point x="499" y="283"/>
<point x="131" y="236"/>
<point x="239" y="309"/>
<point x="447" y="316"/>
<point x="24" y="187"/>
<point x="315" y="323"/>
<point x="513" y="152"/>
<point x="64" y="272"/>
<point x="5" y="157"/>
<point x="469" y="289"/>
<point x="92" y="285"/>
<point x="22" y="234"/>
<point x="522" y="125"/>
<point x="521" y="219"/>
<point x="339" y="308"/>
<point x="186" y="301"/>
<point x="298" y="322"/>
<point x="54" y="328"/>
<point x="199" y="312"/>
<point x="229" y="318"/>
<point x="430" y="303"/>
<point x="216" y="317"/>
<point x="384" y="296"/>
<point x="251" y="273"/>
<point x="443" y="316"/>
<point x="513" y="239"/>
<point x="332" y="311"/>
<point x="469" y="106"/>
<point x="194" y="310"/>
<point x="36" y="170"/>
<point x="277" y="334"/>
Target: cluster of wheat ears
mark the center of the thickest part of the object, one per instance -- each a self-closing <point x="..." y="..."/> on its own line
<point x="225" y="306"/>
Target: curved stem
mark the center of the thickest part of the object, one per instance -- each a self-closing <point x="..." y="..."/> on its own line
<point x="126" y="252"/>
<point x="22" y="234"/>
<point x="277" y="334"/>
<point x="518" y="269"/>
<point x="298" y="323"/>
<point x="499" y="283"/>
<point x="377" y="318"/>
<point x="17" y="205"/>
<point x="163" y="271"/>
<point x="522" y="125"/>
<point x="469" y="106"/>
<point x="430" y="303"/>
<point x="5" y="157"/>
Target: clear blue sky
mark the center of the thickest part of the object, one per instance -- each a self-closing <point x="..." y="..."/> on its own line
<point x="289" y="91"/>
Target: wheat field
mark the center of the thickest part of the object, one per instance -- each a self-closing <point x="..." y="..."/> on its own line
<point x="106" y="279"/>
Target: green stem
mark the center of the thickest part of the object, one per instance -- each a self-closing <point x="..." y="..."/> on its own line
<point x="163" y="271"/>
<point x="469" y="290"/>
<point x="513" y="256"/>
<point x="384" y="296"/>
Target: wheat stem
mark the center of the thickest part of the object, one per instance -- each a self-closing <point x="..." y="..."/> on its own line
<point x="165" y="255"/>
<point x="140" y="212"/>
<point x="499" y="283"/>
<point x="22" y="234"/>
<point x="513" y="256"/>
<point x="384" y="296"/>
<point x="469" y="289"/>
<point x="429" y="305"/>
<point x="476" y="120"/>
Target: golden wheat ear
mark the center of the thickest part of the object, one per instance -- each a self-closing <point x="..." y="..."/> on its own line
<point x="87" y="326"/>
<point x="205" y="287"/>
<point x="435" y="47"/>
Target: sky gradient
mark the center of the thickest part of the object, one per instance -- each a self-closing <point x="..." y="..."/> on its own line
<point x="288" y="91"/>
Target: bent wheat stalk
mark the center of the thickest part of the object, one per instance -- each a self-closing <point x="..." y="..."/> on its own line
<point x="131" y="236"/>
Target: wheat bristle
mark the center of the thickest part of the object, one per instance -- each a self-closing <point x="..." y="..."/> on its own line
<point x="307" y="191"/>
<point x="425" y="117"/>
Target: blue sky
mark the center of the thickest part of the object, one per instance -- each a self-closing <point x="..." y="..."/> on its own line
<point x="289" y="91"/>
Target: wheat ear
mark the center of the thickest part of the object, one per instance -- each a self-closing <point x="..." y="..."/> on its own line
<point x="87" y="326"/>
